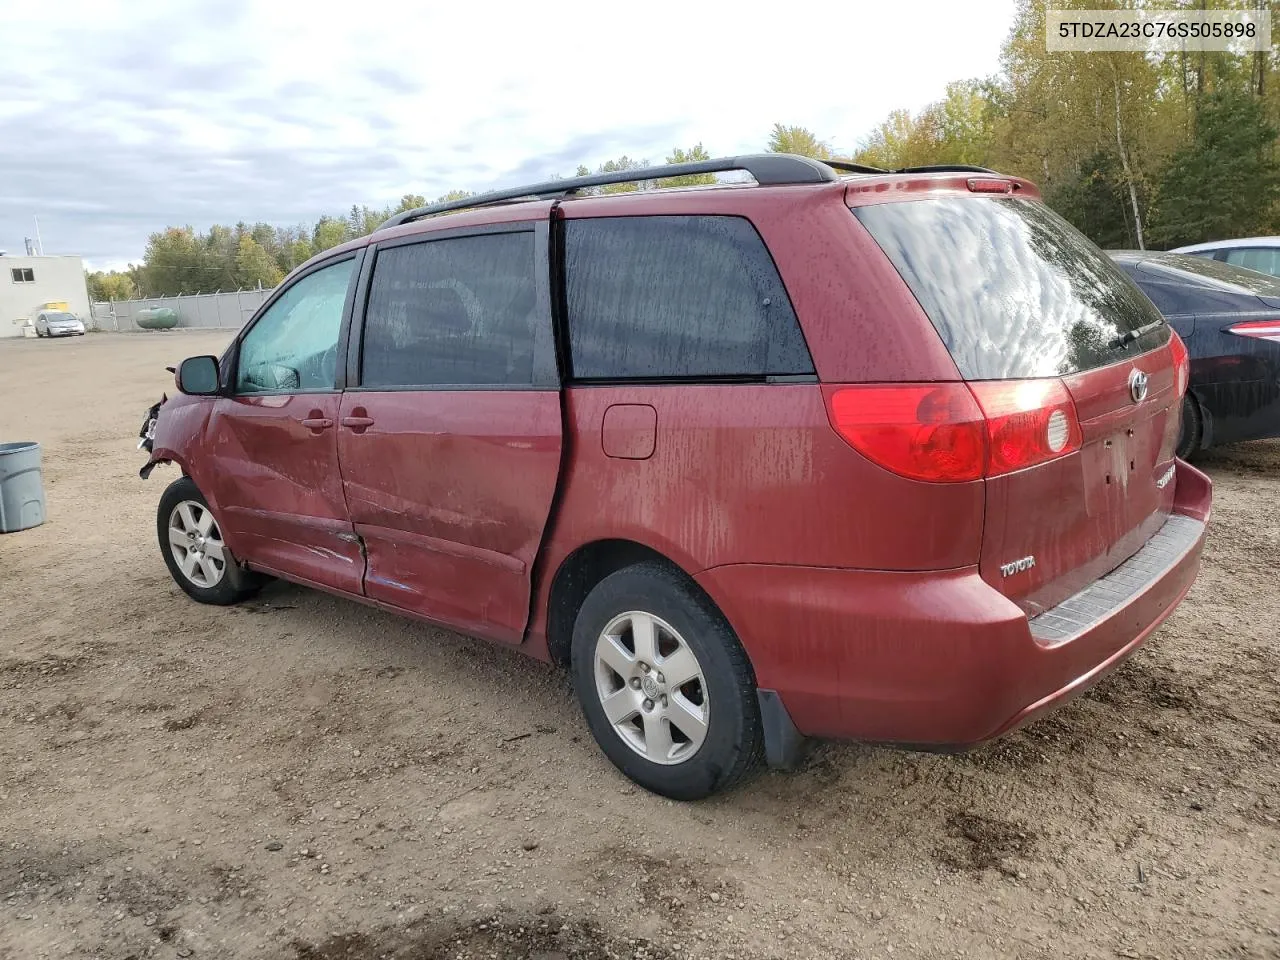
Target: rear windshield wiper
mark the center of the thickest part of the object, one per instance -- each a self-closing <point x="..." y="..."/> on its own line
<point x="1129" y="336"/>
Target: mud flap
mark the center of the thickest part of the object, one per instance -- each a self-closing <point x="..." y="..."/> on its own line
<point x="784" y="745"/>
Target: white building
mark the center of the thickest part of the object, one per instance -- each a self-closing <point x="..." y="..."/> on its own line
<point x="28" y="283"/>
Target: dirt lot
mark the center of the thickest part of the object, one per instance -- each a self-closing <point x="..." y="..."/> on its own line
<point x="304" y="778"/>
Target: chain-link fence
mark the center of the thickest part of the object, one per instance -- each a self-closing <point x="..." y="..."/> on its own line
<point x="206" y="311"/>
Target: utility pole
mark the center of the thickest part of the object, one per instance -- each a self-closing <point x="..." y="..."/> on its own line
<point x="39" y="242"/>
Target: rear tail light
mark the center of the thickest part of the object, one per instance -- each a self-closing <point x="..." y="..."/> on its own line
<point x="1028" y="422"/>
<point x="929" y="431"/>
<point x="952" y="432"/>
<point x="1260" y="329"/>
<point x="1181" y="364"/>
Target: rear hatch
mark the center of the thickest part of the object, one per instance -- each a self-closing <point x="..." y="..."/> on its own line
<point x="1078" y="377"/>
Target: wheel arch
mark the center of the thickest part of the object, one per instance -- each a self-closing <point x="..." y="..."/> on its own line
<point x="583" y="568"/>
<point x="1206" y="419"/>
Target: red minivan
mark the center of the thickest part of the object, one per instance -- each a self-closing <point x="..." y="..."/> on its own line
<point x="837" y="453"/>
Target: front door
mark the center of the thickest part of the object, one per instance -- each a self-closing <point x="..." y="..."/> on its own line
<point x="450" y="441"/>
<point x="273" y="440"/>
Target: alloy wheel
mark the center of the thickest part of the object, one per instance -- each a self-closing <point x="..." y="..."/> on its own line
<point x="651" y="687"/>
<point x="197" y="544"/>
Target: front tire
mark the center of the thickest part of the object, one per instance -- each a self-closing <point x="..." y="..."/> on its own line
<point x="666" y="688"/>
<point x="193" y="550"/>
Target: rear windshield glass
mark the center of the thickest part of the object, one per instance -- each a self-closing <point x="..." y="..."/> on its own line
<point x="1013" y="289"/>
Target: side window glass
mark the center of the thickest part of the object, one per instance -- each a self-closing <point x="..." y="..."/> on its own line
<point x="294" y="345"/>
<point x="452" y="312"/>
<point x="1262" y="259"/>
<point x="677" y="297"/>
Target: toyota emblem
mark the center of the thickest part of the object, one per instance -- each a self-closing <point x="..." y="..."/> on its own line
<point x="1138" y="386"/>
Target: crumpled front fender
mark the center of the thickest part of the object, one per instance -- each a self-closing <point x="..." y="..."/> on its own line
<point x="179" y="430"/>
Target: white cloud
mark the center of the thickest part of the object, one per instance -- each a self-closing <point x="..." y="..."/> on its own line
<point x="124" y="117"/>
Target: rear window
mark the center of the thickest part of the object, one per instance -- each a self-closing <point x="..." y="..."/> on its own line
<point x="693" y="297"/>
<point x="1013" y="289"/>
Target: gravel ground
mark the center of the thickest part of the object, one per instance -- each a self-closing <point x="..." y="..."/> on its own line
<point x="302" y="777"/>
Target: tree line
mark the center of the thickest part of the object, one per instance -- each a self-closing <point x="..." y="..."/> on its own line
<point x="182" y="260"/>
<point x="1136" y="150"/>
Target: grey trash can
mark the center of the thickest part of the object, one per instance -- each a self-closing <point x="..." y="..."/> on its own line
<point x="21" y="489"/>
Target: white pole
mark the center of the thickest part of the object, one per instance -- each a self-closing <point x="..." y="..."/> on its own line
<point x="39" y="242"/>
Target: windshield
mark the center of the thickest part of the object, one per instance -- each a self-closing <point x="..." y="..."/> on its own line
<point x="1013" y="289"/>
<point x="55" y="317"/>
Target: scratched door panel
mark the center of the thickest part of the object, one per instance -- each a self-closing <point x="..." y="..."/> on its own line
<point x="275" y="478"/>
<point x="450" y="492"/>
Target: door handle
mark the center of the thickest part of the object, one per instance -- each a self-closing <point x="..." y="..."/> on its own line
<point x="358" y="424"/>
<point x="317" y="423"/>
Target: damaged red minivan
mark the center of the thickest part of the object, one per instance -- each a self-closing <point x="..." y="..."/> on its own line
<point x="837" y="453"/>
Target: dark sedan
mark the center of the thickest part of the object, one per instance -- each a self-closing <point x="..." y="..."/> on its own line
<point x="1229" y="318"/>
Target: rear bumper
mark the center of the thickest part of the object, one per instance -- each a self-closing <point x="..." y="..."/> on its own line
<point x="940" y="658"/>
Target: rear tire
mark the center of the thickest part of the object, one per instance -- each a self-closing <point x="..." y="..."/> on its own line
<point x="193" y="550"/>
<point x="1192" y="431"/>
<point x="666" y="688"/>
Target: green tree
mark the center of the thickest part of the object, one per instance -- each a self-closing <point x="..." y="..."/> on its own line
<point x="899" y="141"/>
<point x="622" y="164"/>
<point x="292" y="247"/>
<point x="692" y="155"/>
<point x="110" y="285"/>
<point x="217" y="269"/>
<point x="410" y="201"/>
<point x="1225" y="182"/>
<point x="265" y="236"/>
<point x="328" y="233"/>
<point x="959" y="128"/>
<point x="1062" y="108"/>
<point x="798" y="140"/>
<point x="300" y="251"/>
<point x="255" y="267"/>
<point x="174" y="263"/>
<point x="1094" y="201"/>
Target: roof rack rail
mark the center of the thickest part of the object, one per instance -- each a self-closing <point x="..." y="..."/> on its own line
<point x="768" y="169"/>
<point x="848" y="166"/>
<point x="945" y="168"/>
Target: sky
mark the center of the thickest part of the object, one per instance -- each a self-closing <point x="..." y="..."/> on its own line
<point x="118" y="119"/>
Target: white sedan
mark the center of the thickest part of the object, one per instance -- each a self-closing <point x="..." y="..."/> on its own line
<point x="58" y="323"/>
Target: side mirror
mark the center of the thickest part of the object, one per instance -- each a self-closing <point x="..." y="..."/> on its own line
<point x="198" y="376"/>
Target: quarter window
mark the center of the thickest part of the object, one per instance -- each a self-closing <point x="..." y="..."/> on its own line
<point x="458" y="312"/>
<point x="294" y="345"/>
<point x="694" y="297"/>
